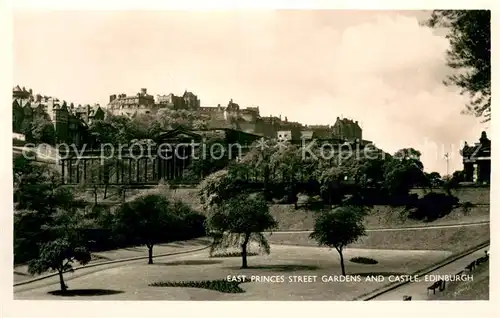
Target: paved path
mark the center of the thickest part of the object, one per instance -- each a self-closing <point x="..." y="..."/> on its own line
<point x="404" y="228"/>
<point x="418" y="290"/>
<point x="21" y="272"/>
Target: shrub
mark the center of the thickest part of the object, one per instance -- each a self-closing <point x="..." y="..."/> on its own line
<point x="363" y="260"/>
<point x="221" y="285"/>
<point x="434" y="205"/>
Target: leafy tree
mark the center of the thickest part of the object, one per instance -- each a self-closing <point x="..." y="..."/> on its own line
<point x="38" y="187"/>
<point x="147" y="220"/>
<point x="42" y="131"/>
<point x="65" y="243"/>
<point x="434" y="179"/>
<point x="38" y="195"/>
<point x="58" y="255"/>
<point x="339" y="228"/>
<point x="469" y="33"/>
<point x="237" y="221"/>
<point x="222" y="185"/>
<point x="402" y="172"/>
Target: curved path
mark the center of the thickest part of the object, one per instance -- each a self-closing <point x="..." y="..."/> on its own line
<point x="131" y="280"/>
<point x="118" y="257"/>
<point x="404" y="228"/>
<point x="116" y="262"/>
<point x="87" y="270"/>
<point x="418" y="290"/>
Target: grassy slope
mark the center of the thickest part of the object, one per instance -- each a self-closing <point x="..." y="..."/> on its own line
<point x="452" y="239"/>
<point x="449" y="239"/>
<point x="380" y="216"/>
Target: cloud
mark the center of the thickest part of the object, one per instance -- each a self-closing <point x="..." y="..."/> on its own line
<point x="381" y="68"/>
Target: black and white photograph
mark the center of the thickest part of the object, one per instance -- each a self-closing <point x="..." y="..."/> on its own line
<point x="251" y="155"/>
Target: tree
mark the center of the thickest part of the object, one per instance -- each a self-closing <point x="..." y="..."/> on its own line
<point x="237" y="221"/>
<point x="339" y="228"/>
<point x="65" y="245"/>
<point x="402" y="172"/>
<point x="42" y="131"/>
<point x="58" y="255"/>
<point x="469" y="33"/>
<point x="434" y="179"/>
<point x="147" y="220"/>
<point x="38" y="195"/>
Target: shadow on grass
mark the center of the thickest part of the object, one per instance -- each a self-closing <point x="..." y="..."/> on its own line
<point x="364" y="260"/>
<point x="85" y="292"/>
<point x="378" y="274"/>
<point x="196" y="242"/>
<point x="21" y="274"/>
<point x="232" y="254"/>
<point x="189" y="262"/>
<point x="96" y="257"/>
<point x="135" y="249"/>
<point x="281" y="268"/>
<point x="221" y="285"/>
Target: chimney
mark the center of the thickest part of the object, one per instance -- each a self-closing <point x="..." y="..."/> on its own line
<point x="144" y="91"/>
<point x="112" y="97"/>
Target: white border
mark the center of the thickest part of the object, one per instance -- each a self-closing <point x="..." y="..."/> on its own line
<point x="12" y="308"/>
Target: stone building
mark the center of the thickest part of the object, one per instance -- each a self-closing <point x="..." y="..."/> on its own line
<point x="70" y="122"/>
<point x="187" y="101"/>
<point x="141" y="103"/>
<point x="347" y="129"/>
<point x="477" y="160"/>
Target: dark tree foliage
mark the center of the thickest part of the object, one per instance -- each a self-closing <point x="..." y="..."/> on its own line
<point x="339" y="228"/>
<point x="58" y="255"/>
<point x="38" y="194"/>
<point x="434" y="206"/>
<point x="470" y="54"/>
<point x="42" y="131"/>
<point x="148" y="220"/>
<point x="237" y="221"/>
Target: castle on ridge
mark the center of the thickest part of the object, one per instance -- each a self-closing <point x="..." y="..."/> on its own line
<point x="71" y="122"/>
<point x="233" y="116"/>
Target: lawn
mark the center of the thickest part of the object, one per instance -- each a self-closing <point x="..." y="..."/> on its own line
<point x="131" y="282"/>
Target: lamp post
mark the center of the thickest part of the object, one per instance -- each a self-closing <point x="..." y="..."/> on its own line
<point x="447" y="158"/>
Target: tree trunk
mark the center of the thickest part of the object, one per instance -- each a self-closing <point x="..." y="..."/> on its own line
<point x="244" y="263"/>
<point x="124" y="194"/>
<point x="105" y="191"/>
<point x="95" y="196"/>
<point x="341" y="261"/>
<point x="150" y="254"/>
<point x="61" y="282"/>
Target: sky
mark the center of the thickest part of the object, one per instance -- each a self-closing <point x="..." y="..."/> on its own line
<point x="382" y="68"/>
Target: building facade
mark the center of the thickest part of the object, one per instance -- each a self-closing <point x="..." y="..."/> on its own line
<point x="166" y="158"/>
<point x="141" y="103"/>
<point x="70" y="122"/>
<point x="477" y="160"/>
